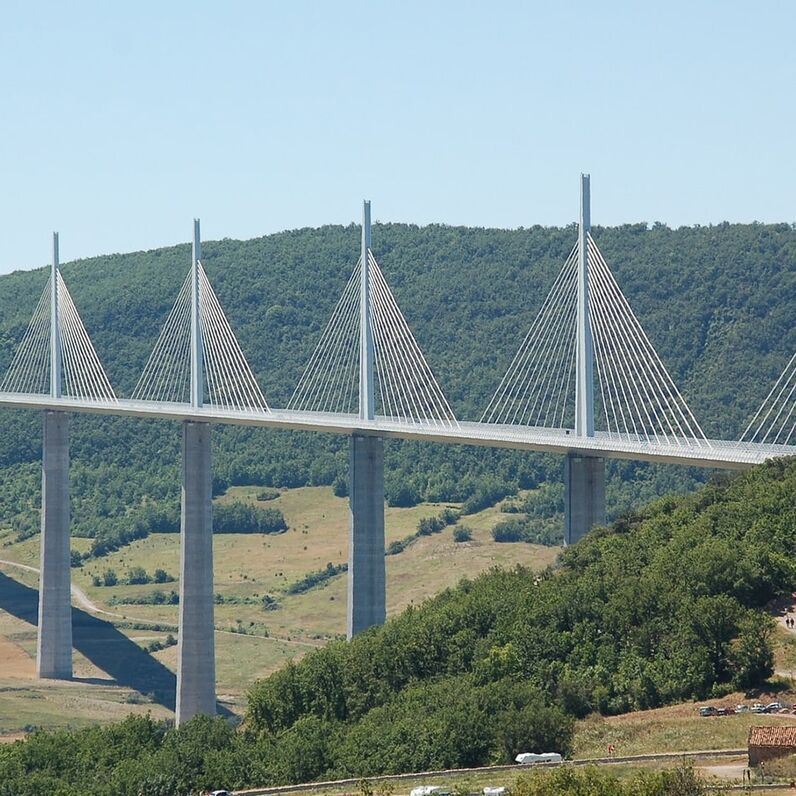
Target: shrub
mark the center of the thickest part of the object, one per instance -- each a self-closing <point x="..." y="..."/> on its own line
<point x="462" y="534"/>
<point x="137" y="576"/>
<point x="161" y="576"/>
<point x="316" y="578"/>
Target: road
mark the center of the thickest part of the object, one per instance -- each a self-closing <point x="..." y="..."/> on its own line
<point x="398" y="778"/>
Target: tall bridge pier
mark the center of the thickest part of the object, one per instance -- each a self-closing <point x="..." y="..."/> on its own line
<point x="196" y="667"/>
<point x="584" y="476"/>
<point x="54" y="643"/>
<point x="366" y="567"/>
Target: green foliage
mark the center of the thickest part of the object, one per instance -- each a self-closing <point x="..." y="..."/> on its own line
<point x="525" y="529"/>
<point x="137" y="576"/>
<point x="316" y="578"/>
<point x="156" y="597"/>
<point x="161" y="576"/>
<point x="462" y="534"/>
<point x="663" y="606"/>
<point x="239" y="517"/>
<point x="109" y="578"/>
<point x="566" y="781"/>
<point x="660" y="608"/>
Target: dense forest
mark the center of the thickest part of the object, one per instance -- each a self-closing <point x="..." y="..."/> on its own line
<point x="663" y="606"/>
<point x="718" y="302"/>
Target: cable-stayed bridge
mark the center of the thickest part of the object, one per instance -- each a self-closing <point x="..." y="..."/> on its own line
<point x="586" y="382"/>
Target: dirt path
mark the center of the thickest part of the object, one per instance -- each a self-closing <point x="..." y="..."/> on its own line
<point x="83" y="601"/>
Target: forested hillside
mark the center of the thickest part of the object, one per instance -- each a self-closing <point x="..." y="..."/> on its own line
<point x="661" y="607"/>
<point x="719" y="303"/>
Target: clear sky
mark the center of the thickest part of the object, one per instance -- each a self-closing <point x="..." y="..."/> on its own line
<point x="121" y="121"/>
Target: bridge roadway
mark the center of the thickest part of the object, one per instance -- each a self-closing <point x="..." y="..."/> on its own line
<point x="711" y="453"/>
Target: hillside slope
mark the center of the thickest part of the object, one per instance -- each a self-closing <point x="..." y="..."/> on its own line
<point x="666" y="605"/>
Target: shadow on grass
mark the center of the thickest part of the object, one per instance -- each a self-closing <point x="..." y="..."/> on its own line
<point x="102" y="644"/>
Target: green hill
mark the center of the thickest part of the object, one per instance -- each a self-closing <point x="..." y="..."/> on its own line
<point x="718" y="302"/>
<point x="666" y="605"/>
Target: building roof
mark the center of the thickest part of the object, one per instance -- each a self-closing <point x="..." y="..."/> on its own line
<point x="773" y="736"/>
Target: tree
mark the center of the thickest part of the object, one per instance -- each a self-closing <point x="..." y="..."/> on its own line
<point x="751" y="653"/>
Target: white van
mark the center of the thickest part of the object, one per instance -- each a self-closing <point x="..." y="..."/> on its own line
<point x="425" y="790"/>
<point x="529" y="758"/>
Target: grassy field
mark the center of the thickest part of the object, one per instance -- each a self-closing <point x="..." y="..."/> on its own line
<point x="678" y="728"/>
<point x="250" y="641"/>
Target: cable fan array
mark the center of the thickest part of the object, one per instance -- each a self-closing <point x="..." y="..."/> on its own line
<point x="538" y="387"/>
<point x="775" y="420"/>
<point x="82" y="374"/>
<point x="407" y="390"/>
<point x="228" y="380"/>
<point x="638" y="400"/>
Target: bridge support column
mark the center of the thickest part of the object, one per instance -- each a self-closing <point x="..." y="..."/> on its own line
<point x="196" y="666"/>
<point x="366" y="569"/>
<point x="584" y="495"/>
<point x="54" y="647"/>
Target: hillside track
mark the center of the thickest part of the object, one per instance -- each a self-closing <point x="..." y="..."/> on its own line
<point x="504" y="769"/>
<point x="84" y="602"/>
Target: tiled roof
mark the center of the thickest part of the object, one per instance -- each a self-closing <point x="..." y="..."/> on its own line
<point x="773" y="736"/>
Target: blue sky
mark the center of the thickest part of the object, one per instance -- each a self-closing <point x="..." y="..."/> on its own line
<point x="121" y="122"/>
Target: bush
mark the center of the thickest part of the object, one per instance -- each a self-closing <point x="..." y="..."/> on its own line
<point x="510" y="531"/>
<point x="109" y="578"/>
<point x="462" y="534"/>
<point x="137" y="576"/>
<point x="239" y="517"/>
<point x="316" y="578"/>
<point x="399" y="545"/>
<point x="267" y="494"/>
<point x="161" y="576"/>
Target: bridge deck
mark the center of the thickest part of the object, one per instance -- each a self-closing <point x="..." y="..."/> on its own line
<point x="714" y="453"/>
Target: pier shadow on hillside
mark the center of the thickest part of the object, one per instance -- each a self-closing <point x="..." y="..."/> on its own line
<point x="104" y="645"/>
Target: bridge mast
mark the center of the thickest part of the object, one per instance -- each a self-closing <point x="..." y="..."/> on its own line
<point x="366" y="394"/>
<point x="584" y="382"/>
<point x="55" y="330"/>
<point x="196" y="328"/>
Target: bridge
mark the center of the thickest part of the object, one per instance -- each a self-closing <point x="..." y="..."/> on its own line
<point x="586" y="382"/>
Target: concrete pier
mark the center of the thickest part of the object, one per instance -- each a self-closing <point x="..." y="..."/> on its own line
<point x="366" y="570"/>
<point x="54" y="647"/>
<point x="584" y="495"/>
<point x="196" y="665"/>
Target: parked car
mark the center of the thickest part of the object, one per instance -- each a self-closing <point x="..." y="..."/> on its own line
<point x="773" y="707"/>
<point x="758" y="708"/>
<point x="529" y="758"/>
<point x="708" y="710"/>
<point x="501" y="790"/>
<point x="220" y="793"/>
<point x="742" y="708"/>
